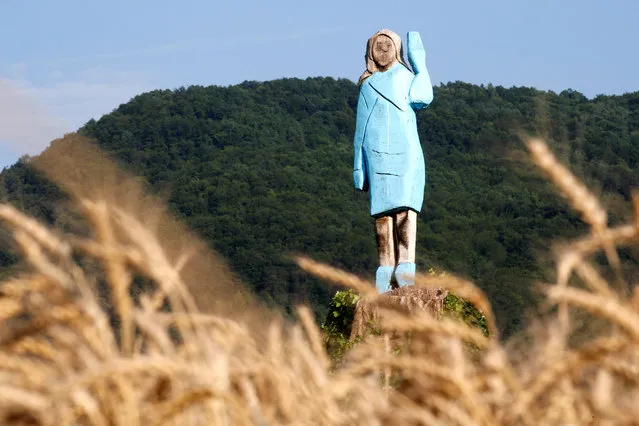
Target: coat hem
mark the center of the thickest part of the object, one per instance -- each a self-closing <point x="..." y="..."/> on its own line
<point x="393" y="211"/>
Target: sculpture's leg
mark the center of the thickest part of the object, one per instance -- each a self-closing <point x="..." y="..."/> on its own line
<point x="386" y="253"/>
<point x="406" y="229"/>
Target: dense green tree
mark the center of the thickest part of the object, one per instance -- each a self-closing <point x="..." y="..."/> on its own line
<point x="262" y="171"/>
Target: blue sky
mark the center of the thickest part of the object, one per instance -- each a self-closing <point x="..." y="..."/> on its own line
<point x="64" y="62"/>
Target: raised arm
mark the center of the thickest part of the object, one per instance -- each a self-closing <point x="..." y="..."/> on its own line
<point x="421" y="89"/>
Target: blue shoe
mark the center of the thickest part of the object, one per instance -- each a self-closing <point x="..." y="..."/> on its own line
<point x="383" y="278"/>
<point x="405" y="274"/>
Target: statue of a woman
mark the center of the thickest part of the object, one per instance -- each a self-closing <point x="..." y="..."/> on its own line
<point x="388" y="158"/>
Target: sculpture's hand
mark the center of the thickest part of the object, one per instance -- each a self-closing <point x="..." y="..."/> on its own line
<point x="416" y="52"/>
<point x="359" y="180"/>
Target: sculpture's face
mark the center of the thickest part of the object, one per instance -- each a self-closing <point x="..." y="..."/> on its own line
<point x="384" y="53"/>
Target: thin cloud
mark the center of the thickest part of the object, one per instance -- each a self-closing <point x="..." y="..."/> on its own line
<point x="26" y="126"/>
<point x="202" y="46"/>
<point x="80" y="101"/>
<point x="32" y="116"/>
<point x="160" y="49"/>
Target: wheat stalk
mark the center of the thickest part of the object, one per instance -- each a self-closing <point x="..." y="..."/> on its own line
<point x="168" y="362"/>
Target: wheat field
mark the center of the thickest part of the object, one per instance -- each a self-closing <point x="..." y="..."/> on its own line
<point x="192" y="347"/>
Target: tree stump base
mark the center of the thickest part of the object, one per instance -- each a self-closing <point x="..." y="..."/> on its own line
<point x="412" y="298"/>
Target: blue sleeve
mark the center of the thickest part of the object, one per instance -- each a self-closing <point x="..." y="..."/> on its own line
<point x="359" y="162"/>
<point x="420" y="94"/>
<point x="421" y="90"/>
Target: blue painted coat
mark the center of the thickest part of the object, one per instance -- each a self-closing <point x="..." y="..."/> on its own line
<point x="388" y="157"/>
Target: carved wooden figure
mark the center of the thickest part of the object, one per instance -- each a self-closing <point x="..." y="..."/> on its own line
<point x="388" y="158"/>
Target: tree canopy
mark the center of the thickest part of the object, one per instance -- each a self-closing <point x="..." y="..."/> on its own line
<point x="263" y="171"/>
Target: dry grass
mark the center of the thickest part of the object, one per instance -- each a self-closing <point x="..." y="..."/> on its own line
<point x="193" y="348"/>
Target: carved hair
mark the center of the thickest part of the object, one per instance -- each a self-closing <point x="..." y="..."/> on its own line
<point x="371" y="66"/>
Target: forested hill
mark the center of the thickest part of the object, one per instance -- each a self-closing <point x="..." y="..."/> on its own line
<point x="264" y="170"/>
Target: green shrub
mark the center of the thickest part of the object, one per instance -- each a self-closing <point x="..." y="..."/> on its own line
<point x="341" y="312"/>
<point x="462" y="309"/>
<point x="337" y="326"/>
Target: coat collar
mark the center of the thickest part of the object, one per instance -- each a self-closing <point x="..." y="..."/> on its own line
<point x="391" y="84"/>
